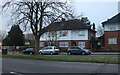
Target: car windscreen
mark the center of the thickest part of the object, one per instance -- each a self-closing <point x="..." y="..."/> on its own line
<point x="29" y="49"/>
<point x="71" y="47"/>
<point x="49" y="48"/>
<point x="77" y="48"/>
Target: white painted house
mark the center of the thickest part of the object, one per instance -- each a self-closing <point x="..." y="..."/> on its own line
<point x="68" y="33"/>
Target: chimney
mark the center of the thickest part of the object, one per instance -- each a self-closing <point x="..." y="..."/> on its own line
<point x="63" y="21"/>
<point x="94" y="26"/>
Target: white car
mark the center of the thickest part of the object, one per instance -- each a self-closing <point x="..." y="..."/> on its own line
<point x="49" y="50"/>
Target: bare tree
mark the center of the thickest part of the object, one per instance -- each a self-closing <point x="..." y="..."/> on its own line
<point x="100" y="30"/>
<point x="53" y="36"/>
<point x="37" y="15"/>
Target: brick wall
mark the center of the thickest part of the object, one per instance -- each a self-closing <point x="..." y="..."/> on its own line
<point x="87" y="43"/>
<point x="112" y="34"/>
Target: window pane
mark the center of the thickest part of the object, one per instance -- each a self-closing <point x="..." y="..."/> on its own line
<point x="81" y="33"/>
<point x="112" y="28"/>
<point x="63" y="44"/>
<point x="41" y="44"/>
<point x="112" y="41"/>
<point x="81" y="44"/>
<point x="63" y="33"/>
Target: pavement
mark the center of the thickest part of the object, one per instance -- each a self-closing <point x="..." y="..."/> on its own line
<point x="98" y="53"/>
<point x="106" y="53"/>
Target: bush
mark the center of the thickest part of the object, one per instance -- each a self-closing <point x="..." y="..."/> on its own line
<point x="21" y="48"/>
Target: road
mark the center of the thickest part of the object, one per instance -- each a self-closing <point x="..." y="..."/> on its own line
<point x="10" y="65"/>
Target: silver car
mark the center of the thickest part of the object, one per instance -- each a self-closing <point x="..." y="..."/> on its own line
<point x="78" y="50"/>
<point x="49" y="50"/>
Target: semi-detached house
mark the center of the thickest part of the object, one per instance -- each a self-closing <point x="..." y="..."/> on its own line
<point x="112" y="33"/>
<point x="68" y="33"/>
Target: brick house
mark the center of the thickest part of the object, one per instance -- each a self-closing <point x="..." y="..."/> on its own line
<point x="68" y="33"/>
<point x="112" y="33"/>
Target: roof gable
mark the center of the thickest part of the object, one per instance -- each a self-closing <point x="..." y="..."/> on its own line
<point x="114" y="19"/>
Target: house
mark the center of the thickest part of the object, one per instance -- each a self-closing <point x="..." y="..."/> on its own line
<point x="29" y="39"/>
<point x="112" y="33"/>
<point x="68" y="33"/>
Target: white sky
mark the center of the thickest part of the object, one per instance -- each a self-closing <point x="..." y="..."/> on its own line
<point x="97" y="11"/>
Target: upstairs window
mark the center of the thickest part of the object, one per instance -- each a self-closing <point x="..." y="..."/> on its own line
<point x="112" y="28"/>
<point x="63" y="33"/>
<point x="81" y="33"/>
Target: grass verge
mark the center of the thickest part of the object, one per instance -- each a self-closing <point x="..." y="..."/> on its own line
<point x="112" y="60"/>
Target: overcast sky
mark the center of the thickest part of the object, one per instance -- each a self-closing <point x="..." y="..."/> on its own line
<point x="97" y="11"/>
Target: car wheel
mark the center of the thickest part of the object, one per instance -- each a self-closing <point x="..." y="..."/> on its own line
<point x="69" y="53"/>
<point x="51" y="53"/>
<point x="40" y="53"/>
<point x="83" y="53"/>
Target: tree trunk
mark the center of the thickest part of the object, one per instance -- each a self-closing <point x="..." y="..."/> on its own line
<point x="36" y="46"/>
<point x="15" y="48"/>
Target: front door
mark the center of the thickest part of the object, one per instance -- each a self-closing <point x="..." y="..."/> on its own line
<point x="73" y="43"/>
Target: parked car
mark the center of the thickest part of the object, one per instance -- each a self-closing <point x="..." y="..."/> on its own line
<point x="78" y="50"/>
<point x="29" y="51"/>
<point x="49" y="50"/>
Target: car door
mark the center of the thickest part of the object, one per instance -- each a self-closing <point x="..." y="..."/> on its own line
<point x="44" y="50"/>
<point x="73" y="50"/>
<point x="47" y="50"/>
<point x="77" y="50"/>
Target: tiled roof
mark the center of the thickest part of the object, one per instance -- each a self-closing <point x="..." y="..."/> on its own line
<point x="114" y="19"/>
<point x="68" y="25"/>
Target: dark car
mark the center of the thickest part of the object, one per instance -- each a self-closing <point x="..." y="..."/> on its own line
<point x="78" y="50"/>
<point x="29" y="51"/>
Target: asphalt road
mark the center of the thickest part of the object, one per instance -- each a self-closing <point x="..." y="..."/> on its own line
<point x="11" y="65"/>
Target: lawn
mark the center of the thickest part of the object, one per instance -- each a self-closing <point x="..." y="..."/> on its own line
<point x="112" y="60"/>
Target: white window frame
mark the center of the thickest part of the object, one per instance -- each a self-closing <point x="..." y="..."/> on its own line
<point x="63" y="32"/>
<point x="112" y="41"/>
<point x="42" y="44"/>
<point x="112" y="28"/>
<point x="81" y="33"/>
<point x="81" y="44"/>
<point x="63" y="44"/>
